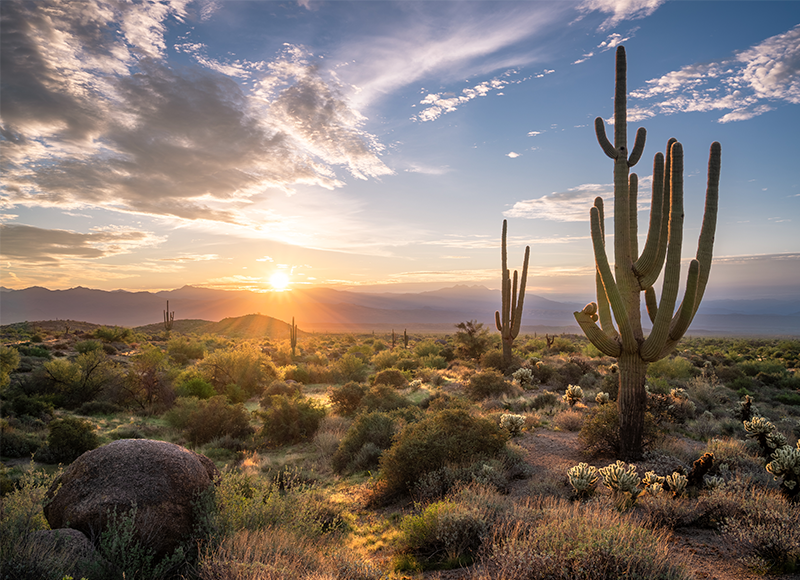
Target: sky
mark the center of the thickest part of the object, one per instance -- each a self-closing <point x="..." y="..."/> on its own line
<point x="378" y="145"/>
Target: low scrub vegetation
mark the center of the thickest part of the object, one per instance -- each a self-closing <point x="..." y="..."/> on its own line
<point x="356" y="458"/>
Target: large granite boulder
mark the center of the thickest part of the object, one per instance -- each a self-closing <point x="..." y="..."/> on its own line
<point x="161" y="479"/>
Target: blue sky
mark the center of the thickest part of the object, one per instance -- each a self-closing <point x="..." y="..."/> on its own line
<point x="380" y="145"/>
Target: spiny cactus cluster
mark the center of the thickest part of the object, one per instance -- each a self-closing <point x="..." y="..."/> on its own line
<point x="572" y="395"/>
<point x="677" y="483"/>
<point x="764" y="432"/>
<point x="602" y="398"/>
<point x="524" y="377"/>
<point x="653" y="483"/>
<point x="583" y="478"/>
<point x="786" y="464"/>
<point x="623" y="482"/>
<point x="745" y="410"/>
<point x="513" y="423"/>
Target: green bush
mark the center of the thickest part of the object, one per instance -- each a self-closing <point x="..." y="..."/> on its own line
<point x="67" y="439"/>
<point x="493" y="359"/>
<point x="245" y="366"/>
<point x="204" y="420"/>
<point x="9" y="361"/>
<point x="347" y="398"/>
<point x="279" y="387"/>
<point x="182" y="350"/>
<point x="98" y="408"/>
<point x="486" y="384"/>
<point x="351" y="367"/>
<point x="385" y="359"/>
<point x="427" y="347"/>
<point x="446" y="437"/>
<point x="290" y="420"/>
<point x="85" y="346"/>
<point x="600" y="431"/>
<point x="365" y="441"/>
<point x="195" y="387"/>
<point x="382" y="398"/>
<point x="391" y="377"/>
<point x="113" y="334"/>
<point x="15" y="443"/>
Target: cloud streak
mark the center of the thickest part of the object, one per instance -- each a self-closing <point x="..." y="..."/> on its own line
<point x="746" y="85"/>
<point x="90" y="118"/>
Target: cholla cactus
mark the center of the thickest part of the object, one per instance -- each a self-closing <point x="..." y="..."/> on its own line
<point x="623" y="483"/>
<point x="786" y="464"/>
<point x="764" y="432"/>
<point x="677" y="483"/>
<point x="602" y="398"/>
<point x="415" y="384"/>
<point x="653" y="483"/>
<point x="514" y="423"/>
<point x="583" y="478"/>
<point x="524" y="377"/>
<point x="746" y="410"/>
<point x="573" y="394"/>
<point x="679" y="394"/>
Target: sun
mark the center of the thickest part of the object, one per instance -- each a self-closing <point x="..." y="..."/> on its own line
<point x="279" y="280"/>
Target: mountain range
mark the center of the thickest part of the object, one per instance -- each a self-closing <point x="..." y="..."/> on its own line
<point x="330" y="310"/>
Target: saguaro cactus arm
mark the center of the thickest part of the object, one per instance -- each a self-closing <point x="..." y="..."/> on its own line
<point x="509" y="318"/>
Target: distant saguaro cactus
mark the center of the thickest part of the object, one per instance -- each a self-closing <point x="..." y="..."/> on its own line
<point x="635" y="273"/>
<point x="169" y="317"/>
<point x="293" y="337"/>
<point x="509" y="321"/>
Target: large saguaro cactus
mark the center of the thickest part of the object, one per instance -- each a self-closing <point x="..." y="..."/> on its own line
<point x="509" y="322"/>
<point x="634" y="272"/>
<point x="169" y="318"/>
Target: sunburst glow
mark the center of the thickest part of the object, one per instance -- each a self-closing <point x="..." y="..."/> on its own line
<point x="279" y="280"/>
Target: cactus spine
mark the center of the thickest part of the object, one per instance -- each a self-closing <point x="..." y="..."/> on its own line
<point x="618" y="293"/>
<point x="169" y="317"/>
<point x="509" y="321"/>
<point x="293" y="337"/>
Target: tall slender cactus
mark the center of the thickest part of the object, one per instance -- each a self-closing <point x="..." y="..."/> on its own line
<point x="634" y="272"/>
<point x="509" y="321"/>
<point x="169" y="318"/>
<point x="293" y="337"/>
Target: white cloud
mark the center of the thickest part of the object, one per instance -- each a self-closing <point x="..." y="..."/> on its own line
<point x="441" y="103"/>
<point x="534" y="133"/>
<point x="94" y="119"/>
<point x="572" y="205"/>
<point x="513" y="155"/>
<point x="620" y="10"/>
<point x="746" y="85"/>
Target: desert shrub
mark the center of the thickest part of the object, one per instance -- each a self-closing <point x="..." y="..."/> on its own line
<point x="493" y="359"/>
<point x="279" y="387"/>
<point x="600" y="431"/>
<point x="427" y="347"/>
<point x="365" y="441"/>
<point x="578" y="541"/>
<point x="195" y="387"/>
<point x="433" y="361"/>
<point x="769" y="539"/>
<point x="245" y="366"/>
<point x="512" y="423"/>
<point x="73" y="383"/>
<point x="672" y="368"/>
<point x="67" y="439"/>
<point x="488" y="383"/>
<point x="472" y="340"/>
<point x="446" y="534"/>
<point x="446" y="437"/>
<point x="545" y="399"/>
<point x="290" y="420"/>
<point x="98" y="408"/>
<point x="298" y="373"/>
<point x="382" y="398"/>
<point x="204" y="420"/>
<point x="611" y="382"/>
<point x="347" y="398"/>
<point x="569" y="420"/>
<point x="113" y="334"/>
<point x="85" y="346"/>
<point x="407" y="364"/>
<point x="182" y="350"/>
<point x="385" y="359"/>
<point x="16" y="443"/>
<point x="34" y="406"/>
<point x="351" y="368"/>
<point x="391" y="377"/>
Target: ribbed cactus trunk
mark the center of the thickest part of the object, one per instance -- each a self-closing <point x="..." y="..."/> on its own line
<point x="508" y="323"/>
<point x="619" y="293"/>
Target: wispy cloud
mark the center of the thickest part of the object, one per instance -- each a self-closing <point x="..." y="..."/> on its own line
<point x="572" y="205"/>
<point x="28" y="244"/>
<point x="620" y="10"/>
<point x="90" y="118"/>
<point x="746" y="85"/>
